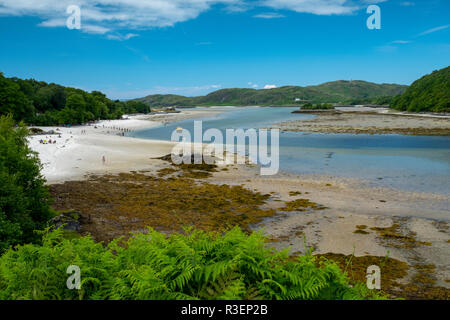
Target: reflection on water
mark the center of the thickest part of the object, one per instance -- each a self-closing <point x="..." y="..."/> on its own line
<point x="406" y="162"/>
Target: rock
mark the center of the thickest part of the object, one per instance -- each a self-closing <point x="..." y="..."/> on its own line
<point x="70" y="220"/>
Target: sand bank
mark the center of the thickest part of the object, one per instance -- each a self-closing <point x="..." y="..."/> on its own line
<point x="368" y="121"/>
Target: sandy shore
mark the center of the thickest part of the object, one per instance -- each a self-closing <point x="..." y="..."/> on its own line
<point x="371" y="121"/>
<point x="79" y="150"/>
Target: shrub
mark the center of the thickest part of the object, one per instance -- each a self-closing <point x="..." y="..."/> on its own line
<point x="24" y="204"/>
<point x="194" y="265"/>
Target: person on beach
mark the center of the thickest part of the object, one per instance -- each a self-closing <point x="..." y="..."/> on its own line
<point x="103" y="160"/>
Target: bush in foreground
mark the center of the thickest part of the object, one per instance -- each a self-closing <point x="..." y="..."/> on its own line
<point x="24" y="200"/>
<point x="194" y="265"/>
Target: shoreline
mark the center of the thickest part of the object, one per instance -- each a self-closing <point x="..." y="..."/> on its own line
<point x="79" y="150"/>
<point x="348" y="203"/>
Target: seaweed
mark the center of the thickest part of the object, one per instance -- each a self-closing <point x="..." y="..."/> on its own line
<point x="394" y="237"/>
<point x="301" y="205"/>
<point x="392" y="270"/>
<point x="112" y="206"/>
<point x="361" y="229"/>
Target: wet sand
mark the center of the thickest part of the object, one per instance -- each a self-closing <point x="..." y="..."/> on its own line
<point x="349" y="204"/>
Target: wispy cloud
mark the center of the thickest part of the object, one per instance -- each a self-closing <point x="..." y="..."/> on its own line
<point x="110" y="16"/>
<point x="401" y="42"/>
<point x="204" y="43"/>
<point x="433" y="30"/>
<point x="319" y="7"/>
<point x="138" y="53"/>
<point x="122" y="37"/>
<point x="269" y="15"/>
<point x="103" y="16"/>
<point x="270" y="86"/>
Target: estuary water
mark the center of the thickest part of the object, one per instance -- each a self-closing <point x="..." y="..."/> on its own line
<point x="413" y="163"/>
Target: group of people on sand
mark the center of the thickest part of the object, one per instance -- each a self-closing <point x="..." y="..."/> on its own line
<point x="122" y="130"/>
<point x="117" y="128"/>
<point x="50" y="141"/>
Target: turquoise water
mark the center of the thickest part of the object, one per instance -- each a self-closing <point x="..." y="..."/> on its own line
<point x="414" y="163"/>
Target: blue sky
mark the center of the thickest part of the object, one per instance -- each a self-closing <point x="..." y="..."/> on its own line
<point x="131" y="48"/>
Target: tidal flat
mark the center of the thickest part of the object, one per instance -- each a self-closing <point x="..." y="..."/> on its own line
<point x="414" y="261"/>
<point x="365" y="122"/>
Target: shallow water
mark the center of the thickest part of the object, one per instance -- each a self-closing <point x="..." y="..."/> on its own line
<point x="415" y="163"/>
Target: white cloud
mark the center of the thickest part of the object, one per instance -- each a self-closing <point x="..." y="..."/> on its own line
<point x="111" y="16"/>
<point x="253" y="85"/>
<point x="122" y="37"/>
<point x="401" y="41"/>
<point x="433" y="30"/>
<point x="270" y="86"/>
<point x="320" y="7"/>
<point x="269" y="15"/>
<point x="102" y="16"/>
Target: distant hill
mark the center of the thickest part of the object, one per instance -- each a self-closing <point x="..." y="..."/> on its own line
<point x="429" y="93"/>
<point x="330" y="92"/>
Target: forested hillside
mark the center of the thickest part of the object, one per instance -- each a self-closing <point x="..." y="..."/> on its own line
<point x="330" y="92"/>
<point x="429" y="93"/>
<point x="40" y="103"/>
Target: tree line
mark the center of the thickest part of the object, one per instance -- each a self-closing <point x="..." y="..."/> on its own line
<point x="39" y="103"/>
<point x="429" y="93"/>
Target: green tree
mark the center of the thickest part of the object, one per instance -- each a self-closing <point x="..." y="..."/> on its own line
<point x="78" y="104"/>
<point x="13" y="101"/>
<point x="24" y="200"/>
<point x="429" y="93"/>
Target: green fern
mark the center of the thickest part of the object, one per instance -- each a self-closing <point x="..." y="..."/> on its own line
<point x="152" y="265"/>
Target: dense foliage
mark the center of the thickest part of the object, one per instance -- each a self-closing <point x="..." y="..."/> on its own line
<point x="194" y="265"/>
<point x="429" y="93"/>
<point x="330" y="92"/>
<point x="383" y="100"/>
<point x="24" y="205"/>
<point x="40" y="103"/>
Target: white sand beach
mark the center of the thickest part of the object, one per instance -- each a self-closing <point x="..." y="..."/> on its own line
<point x="79" y="150"/>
